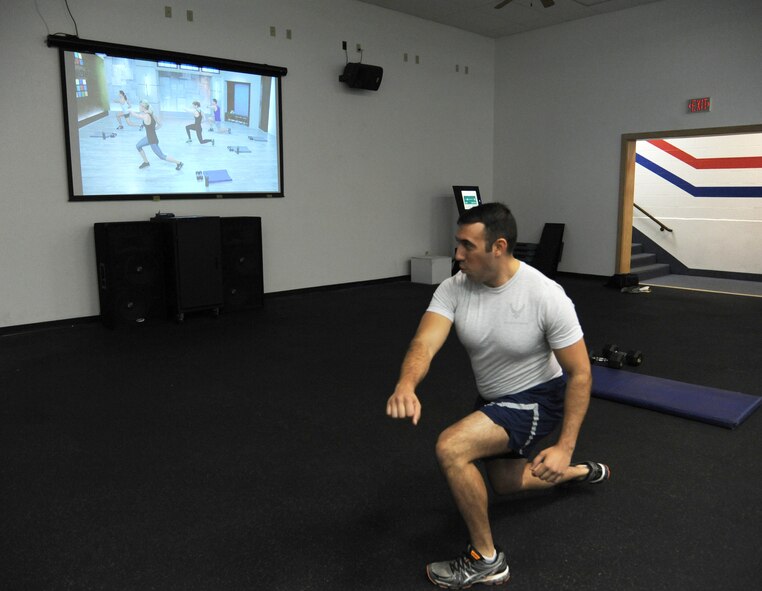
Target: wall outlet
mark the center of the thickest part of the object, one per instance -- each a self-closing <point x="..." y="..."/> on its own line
<point x="189" y="15"/>
<point x="168" y="11"/>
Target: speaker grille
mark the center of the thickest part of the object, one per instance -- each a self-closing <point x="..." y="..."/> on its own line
<point x="130" y="272"/>
<point x="242" y="263"/>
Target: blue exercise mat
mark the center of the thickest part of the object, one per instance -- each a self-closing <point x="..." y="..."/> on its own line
<point x="709" y="405"/>
<point x="216" y="176"/>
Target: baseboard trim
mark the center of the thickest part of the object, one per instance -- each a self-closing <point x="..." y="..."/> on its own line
<point x="562" y="274"/>
<point x="335" y="286"/>
<point x="6" y="331"/>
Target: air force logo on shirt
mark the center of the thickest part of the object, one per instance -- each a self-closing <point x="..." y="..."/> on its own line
<point x="517" y="310"/>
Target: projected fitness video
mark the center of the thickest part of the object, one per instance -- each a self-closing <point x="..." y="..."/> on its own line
<point x="141" y="128"/>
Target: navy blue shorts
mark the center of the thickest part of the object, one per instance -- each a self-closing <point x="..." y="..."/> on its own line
<point x="527" y="416"/>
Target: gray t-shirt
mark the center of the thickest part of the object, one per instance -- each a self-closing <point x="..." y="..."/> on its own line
<point x="509" y="331"/>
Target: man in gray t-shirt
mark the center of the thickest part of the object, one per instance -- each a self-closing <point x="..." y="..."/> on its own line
<point x="522" y="335"/>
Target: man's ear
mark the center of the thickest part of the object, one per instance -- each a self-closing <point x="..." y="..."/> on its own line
<point x="500" y="246"/>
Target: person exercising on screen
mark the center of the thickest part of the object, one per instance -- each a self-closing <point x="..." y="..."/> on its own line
<point x="125" y="105"/>
<point x="196" y="125"/>
<point x="216" y="118"/>
<point x="522" y="334"/>
<point x="151" y="139"/>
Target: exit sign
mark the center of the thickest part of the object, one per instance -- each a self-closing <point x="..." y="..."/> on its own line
<point x="699" y="105"/>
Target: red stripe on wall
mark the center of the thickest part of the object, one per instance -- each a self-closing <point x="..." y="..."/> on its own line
<point x="708" y="163"/>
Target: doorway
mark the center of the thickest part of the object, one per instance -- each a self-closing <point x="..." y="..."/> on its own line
<point x="627" y="179"/>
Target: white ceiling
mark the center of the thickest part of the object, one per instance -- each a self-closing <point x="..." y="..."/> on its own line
<point x="480" y="16"/>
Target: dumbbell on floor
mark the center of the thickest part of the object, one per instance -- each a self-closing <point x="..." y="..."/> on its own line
<point x="632" y="357"/>
<point x="615" y="360"/>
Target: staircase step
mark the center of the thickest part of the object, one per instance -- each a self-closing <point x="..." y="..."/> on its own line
<point x="637" y="248"/>
<point x="642" y="259"/>
<point x="650" y="271"/>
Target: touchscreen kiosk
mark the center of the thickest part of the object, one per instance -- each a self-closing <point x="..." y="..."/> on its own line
<point x="466" y="197"/>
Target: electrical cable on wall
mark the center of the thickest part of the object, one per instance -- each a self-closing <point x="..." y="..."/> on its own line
<point x="58" y="34"/>
<point x="76" y="28"/>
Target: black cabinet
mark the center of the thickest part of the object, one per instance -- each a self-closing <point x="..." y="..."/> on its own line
<point x="170" y="266"/>
<point x="242" y="263"/>
<point x="193" y="263"/>
<point x="130" y="261"/>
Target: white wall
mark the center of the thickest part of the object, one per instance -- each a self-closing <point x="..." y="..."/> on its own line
<point x="367" y="175"/>
<point x="709" y="232"/>
<point x="565" y="95"/>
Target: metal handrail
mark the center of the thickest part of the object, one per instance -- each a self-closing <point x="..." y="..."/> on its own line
<point x="662" y="227"/>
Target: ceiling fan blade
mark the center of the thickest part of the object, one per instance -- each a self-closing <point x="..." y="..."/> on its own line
<point x="545" y="3"/>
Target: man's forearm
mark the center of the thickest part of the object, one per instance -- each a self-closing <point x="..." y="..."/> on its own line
<point x="577" y="400"/>
<point x="415" y="366"/>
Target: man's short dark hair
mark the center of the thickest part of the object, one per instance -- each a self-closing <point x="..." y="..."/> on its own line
<point x="498" y="223"/>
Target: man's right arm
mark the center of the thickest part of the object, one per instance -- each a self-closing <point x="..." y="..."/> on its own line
<point x="431" y="334"/>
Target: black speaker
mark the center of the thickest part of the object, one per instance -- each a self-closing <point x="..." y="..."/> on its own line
<point x="362" y="76"/>
<point x="242" y="276"/>
<point x="193" y="263"/>
<point x="130" y="263"/>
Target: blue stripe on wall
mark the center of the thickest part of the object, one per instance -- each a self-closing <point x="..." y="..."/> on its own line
<point x="697" y="191"/>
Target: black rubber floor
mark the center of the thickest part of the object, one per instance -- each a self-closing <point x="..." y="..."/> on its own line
<point x="252" y="451"/>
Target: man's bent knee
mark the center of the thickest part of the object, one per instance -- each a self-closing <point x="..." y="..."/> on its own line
<point x="447" y="448"/>
<point x="470" y="439"/>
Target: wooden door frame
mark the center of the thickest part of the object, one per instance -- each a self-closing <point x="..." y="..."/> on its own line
<point x="627" y="179"/>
